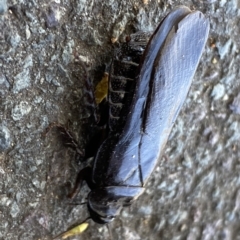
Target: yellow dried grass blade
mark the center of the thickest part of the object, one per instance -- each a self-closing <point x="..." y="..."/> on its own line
<point x="101" y="90"/>
<point x="74" y="231"/>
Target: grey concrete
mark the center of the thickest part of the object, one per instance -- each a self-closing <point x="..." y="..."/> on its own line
<point x="194" y="192"/>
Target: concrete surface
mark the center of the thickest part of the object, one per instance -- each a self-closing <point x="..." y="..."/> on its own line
<point x="194" y="192"/>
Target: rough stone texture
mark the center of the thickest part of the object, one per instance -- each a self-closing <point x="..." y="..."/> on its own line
<point x="194" y="192"/>
<point x="3" y="6"/>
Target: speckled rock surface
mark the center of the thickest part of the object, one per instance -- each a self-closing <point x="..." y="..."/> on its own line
<point x="194" y="192"/>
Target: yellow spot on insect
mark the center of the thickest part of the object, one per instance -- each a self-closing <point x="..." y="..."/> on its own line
<point x="74" y="231"/>
<point x="101" y="90"/>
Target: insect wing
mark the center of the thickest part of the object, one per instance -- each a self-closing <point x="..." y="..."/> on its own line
<point x="172" y="75"/>
<point x="170" y="61"/>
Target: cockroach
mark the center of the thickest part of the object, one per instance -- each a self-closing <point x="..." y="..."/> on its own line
<point x="134" y="145"/>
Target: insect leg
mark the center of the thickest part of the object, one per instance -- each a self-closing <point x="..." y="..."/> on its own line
<point x="84" y="175"/>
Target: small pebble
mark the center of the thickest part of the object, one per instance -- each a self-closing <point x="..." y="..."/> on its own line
<point x="20" y="110"/>
<point x="5" y="138"/>
<point x="218" y="91"/>
<point x="235" y="106"/>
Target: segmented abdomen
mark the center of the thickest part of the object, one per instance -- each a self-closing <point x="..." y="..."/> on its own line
<point x="122" y="78"/>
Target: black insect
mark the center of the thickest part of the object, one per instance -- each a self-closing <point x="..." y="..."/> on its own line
<point x="140" y="126"/>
